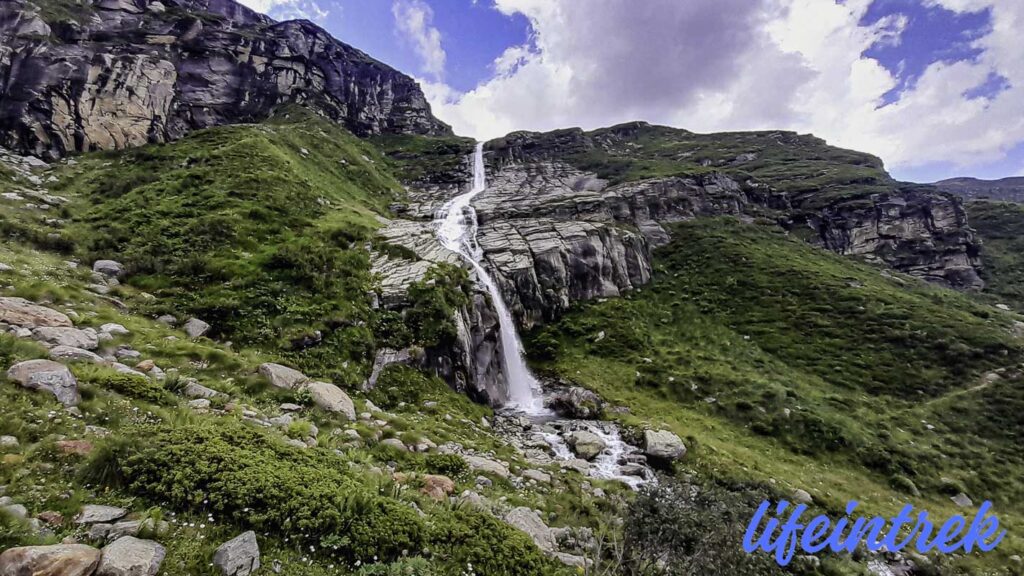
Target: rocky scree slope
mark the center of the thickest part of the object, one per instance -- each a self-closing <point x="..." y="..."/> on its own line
<point x="107" y="74"/>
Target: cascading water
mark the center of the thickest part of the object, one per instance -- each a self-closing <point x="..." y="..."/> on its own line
<point x="457" y="228"/>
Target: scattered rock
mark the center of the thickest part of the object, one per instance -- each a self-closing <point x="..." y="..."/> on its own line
<point x="962" y="500"/>
<point x="108" y="268"/>
<point x="75" y="447"/>
<point x="96" y="513"/>
<point x="289" y="407"/>
<point x="331" y="398"/>
<point x="663" y="445"/>
<point x="282" y="376"/>
<point x="199" y="404"/>
<point x="73" y="337"/>
<point x="481" y="464"/>
<point x="115" y="329"/>
<point x="195" y="327"/>
<point x="21" y="312"/>
<point x="49" y="376"/>
<point x="538" y="476"/>
<point x="239" y="556"/>
<point x="578" y="464"/>
<point x="130" y="556"/>
<point x="527" y="520"/>
<point x="801" y="496"/>
<point x="578" y="403"/>
<point x="194" y="389"/>
<point x="72" y="354"/>
<point x="15" y="510"/>
<point x="59" y="560"/>
<point x="437" y="486"/>
<point x="167" y="319"/>
<point x="585" y="444"/>
<point x="51" y="518"/>
<point x="395" y="443"/>
<point x="8" y="442"/>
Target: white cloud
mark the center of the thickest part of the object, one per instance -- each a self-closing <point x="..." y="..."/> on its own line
<point x="414" y="20"/>
<point x="748" y="64"/>
<point x="288" y="9"/>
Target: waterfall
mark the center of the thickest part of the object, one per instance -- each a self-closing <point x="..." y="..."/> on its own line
<point x="457" y="230"/>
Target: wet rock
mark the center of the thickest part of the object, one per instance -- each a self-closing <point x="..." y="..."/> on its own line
<point x="21" y="312"/>
<point x="58" y="560"/>
<point x="47" y="376"/>
<point x="585" y="444"/>
<point x="578" y="403"/>
<point x="239" y="556"/>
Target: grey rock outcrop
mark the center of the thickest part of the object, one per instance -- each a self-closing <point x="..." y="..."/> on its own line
<point x="58" y="560"/>
<point x="130" y="556"/>
<point x="239" y="556"/>
<point x="86" y="339"/>
<point x="47" y="376"/>
<point x="21" y="312"/>
<point x="121" y="75"/>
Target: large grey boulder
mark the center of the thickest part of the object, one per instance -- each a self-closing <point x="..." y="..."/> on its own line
<point x="282" y="376"/>
<point x="21" y="312"/>
<point x="130" y="556"/>
<point x="194" y="389"/>
<point x="72" y="354"/>
<point x="59" y="560"/>
<point x="527" y="520"/>
<point x="86" y="339"/>
<point x="331" y="398"/>
<point x="239" y="556"/>
<point x="663" y="445"/>
<point x="108" y="268"/>
<point x="585" y="444"/>
<point x="47" y="376"/>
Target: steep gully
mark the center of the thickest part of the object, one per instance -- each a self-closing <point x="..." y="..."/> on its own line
<point x="456" y="224"/>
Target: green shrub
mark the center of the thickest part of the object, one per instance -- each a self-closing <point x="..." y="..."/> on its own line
<point x="463" y="538"/>
<point x="432" y="304"/>
<point x="130" y="385"/>
<point x="398" y="384"/>
<point x="450" y="465"/>
<point x="253" y="479"/>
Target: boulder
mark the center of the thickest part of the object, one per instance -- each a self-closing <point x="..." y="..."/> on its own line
<point x="331" y="398"/>
<point x="801" y="496"/>
<point x="195" y="327"/>
<point x="578" y="403"/>
<point x="585" y="444"/>
<point x="437" y="486"/>
<point x="537" y="476"/>
<point x="663" y="445"/>
<point x="578" y="464"/>
<point x="48" y="376"/>
<point x="962" y="500"/>
<point x="115" y="329"/>
<point x="282" y="376"/>
<point x="72" y="337"/>
<point x="130" y="556"/>
<point x="8" y="442"/>
<point x="239" y="556"/>
<point x="72" y="354"/>
<point x="21" y="312"/>
<point x="96" y="513"/>
<point x="108" y="268"/>
<point x="194" y="389"/>
<point x="59" y="560"/>
<point x="481" y="464"/>
<point x="395" y="443"/>
<point x="527" y="520"/>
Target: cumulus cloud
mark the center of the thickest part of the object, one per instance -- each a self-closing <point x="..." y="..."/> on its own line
<point x="414" y="21"/>
<point x="749" y="64"/>
<point x="288" y="9"/>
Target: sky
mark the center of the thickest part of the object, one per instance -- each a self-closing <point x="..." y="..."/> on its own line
<point x="933" y="87"/>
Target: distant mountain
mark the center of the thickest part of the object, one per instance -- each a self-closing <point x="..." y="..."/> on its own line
<point x="1006" y="189"/>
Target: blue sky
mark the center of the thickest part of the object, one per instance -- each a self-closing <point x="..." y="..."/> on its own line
<point x="934" y="87"/>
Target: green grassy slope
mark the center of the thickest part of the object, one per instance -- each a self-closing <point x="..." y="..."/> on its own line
<point x="783" y="361"/>
<point x="1000" y="225"/>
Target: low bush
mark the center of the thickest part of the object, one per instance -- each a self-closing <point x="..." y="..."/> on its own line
<point x="474" y="542"/>
<point x="131" y="385"/>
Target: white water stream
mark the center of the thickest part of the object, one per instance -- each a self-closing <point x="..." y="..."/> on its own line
<point x="456" y="230"/>
<point x="457" y="227"/>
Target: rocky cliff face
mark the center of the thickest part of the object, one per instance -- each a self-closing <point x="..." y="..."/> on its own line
<point x="126" y="72"/>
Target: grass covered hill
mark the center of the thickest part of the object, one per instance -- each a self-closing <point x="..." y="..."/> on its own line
<point x="783" y="361"/>
<point x="1000" y="225"/>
